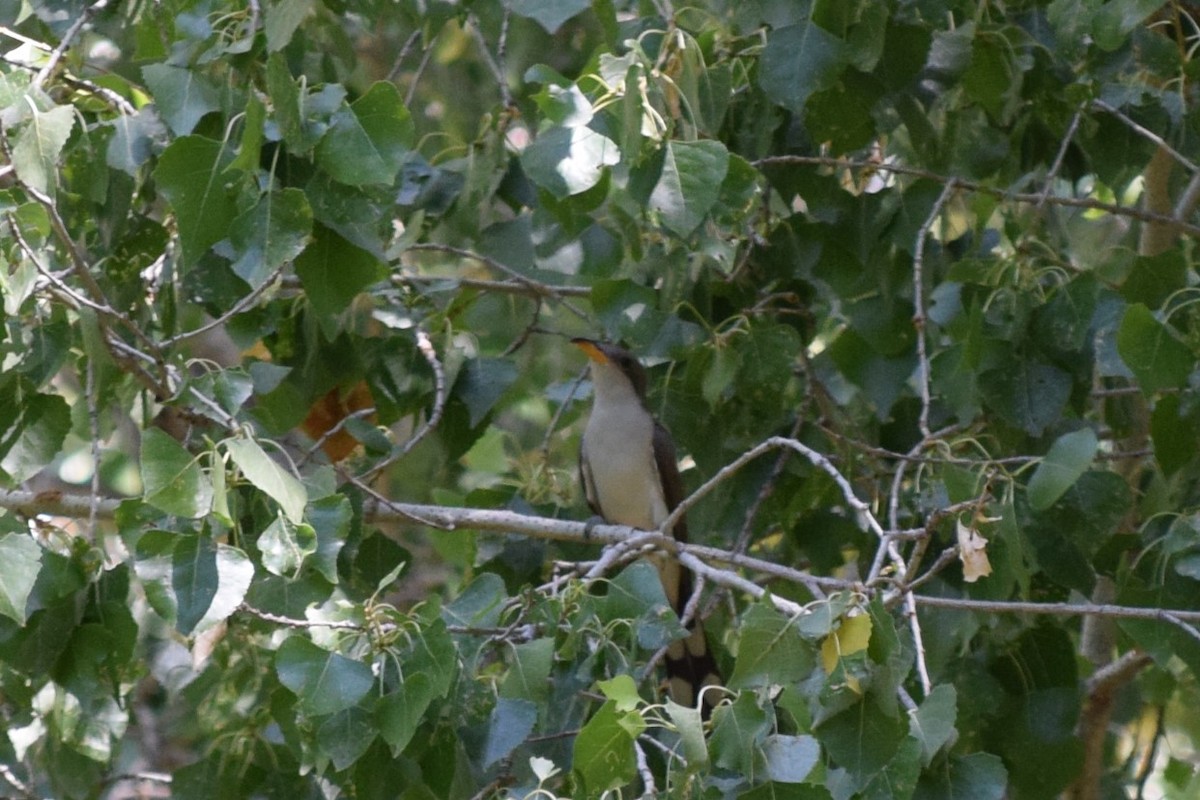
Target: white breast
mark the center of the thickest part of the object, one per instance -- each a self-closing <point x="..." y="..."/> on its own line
<point x="618" y="446"/>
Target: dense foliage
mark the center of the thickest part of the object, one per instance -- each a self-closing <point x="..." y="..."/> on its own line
<point x="288" y="417"/>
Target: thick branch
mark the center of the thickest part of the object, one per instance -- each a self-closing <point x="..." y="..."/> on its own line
<point x="455" y="518"/>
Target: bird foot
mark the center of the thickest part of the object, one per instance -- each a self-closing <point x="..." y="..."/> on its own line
<point x="591" y="523"/>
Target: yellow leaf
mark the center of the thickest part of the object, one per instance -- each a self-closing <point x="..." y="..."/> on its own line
<point x="852" y="636"/>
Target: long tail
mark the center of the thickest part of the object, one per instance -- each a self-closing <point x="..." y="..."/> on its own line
<point x="690" y="663"/>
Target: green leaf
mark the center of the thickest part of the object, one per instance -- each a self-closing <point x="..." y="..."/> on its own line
<point x="770" y="651"/>
<point x="250" y="147"/>
<point x="346" y="735"/>
<point x="797" y="61"/>
<point x="1027" y="393"/>
<point x="191" y="175"/>
<point x="283" y="18"/>
<point x="284" y="546"/>
<point x="511" y="723"/>
<point x="330" y="518"/>
<point x="603" y="752"/>
<point x="933" y="722"/>
<point x="689" y="724"/>
<point x="568" y="161"/>
<point x="481" y="384"/>
<point x="333" y="271"/>
<point x="978" y="776"/>
<point x="268" y="235"/>
<point x="235" y="572"/>
<point x="529" y="676"/>
<point x="1156" y="358"/>
<point x="32" y="429"/>
<point x="194" y="580"/>
<point x="1152" y="279"/>
<point x="191" y="581"/>
<point x="861" y="740"/>
<point x="550" y="14"/>
<point x="285" y="103"/>
<point x="172" y="479"/>
<point x="1174" y="434"/>
<point x="269" y="477"/>
<point x="39" y="143"/>
<point x="20" y="563"/>
<point x="690" y="183"/>
<point x="325" y="682"/>
<point x="898" y="778"/>
<point x="181" y="96"/>
<point x="790" y="758"/>
<point x="367" y="142"/>
<point x="133" y="140"/>
<point x="738" y="730"/>
<point x="1069" y="457"/>
<point x="994" y="77"/>
<point x="622" y="690"/>
<point x="479" y="604"/>
<point x="400" y="712"/>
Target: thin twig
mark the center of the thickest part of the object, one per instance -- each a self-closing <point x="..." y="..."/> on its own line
<point x="919" y="319"/>
<point x="1056" y="166"/>
<point x="427" y="350"/>
<point x="67" y="40"/>
<point x="494" y="63"/>
<point x="972" y="186"/>
<point x="816" y="459"/>
<point x="91" y="394"/>
<point x="1146" y="133"/>
<point x="507" y="287"/>
<point x="403" y="54"/>
<point x="539" y="288"/>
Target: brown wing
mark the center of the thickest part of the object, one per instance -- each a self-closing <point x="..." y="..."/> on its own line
<point x="668" y="473"/>
<point x="588" y="484"/>
<point x="690" y="664"/>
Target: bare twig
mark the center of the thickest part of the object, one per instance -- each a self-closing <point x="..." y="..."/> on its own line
<point x="1032" y="198"/>
<point x="538" y="288"/>
<point x="1056" y="166"/>
<point x="67" y="40"/>
<point x="494" y="63"/>
<point x="693" y="556"/>
<point x="426" y="348"/>
<point x="1147" y="134"/>
<point x="507" y="287"/>
<point x="918" y="319"/>
<point x="862" y="509"/>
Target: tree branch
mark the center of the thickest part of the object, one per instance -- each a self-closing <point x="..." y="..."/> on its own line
<point x="694" y="556"/>
<point x="1032" y="198"/>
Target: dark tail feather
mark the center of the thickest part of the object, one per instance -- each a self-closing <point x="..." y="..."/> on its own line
<point x="690" y="663"/>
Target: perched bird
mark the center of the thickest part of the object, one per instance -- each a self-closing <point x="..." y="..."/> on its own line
<point x="630" y="477"/>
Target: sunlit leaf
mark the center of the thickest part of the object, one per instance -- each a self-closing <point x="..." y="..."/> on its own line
<point x="20" y="562"/>
<point x="269" y="476"/>
<point x="172" y="479"/>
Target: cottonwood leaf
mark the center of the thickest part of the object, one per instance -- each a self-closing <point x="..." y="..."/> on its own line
<point x="689" y="184"/>
<point x="269" y="477"/>
<point x="39" y="143"/>
<point x="20" y="562"/>
<point x="172" y="479"/>
<point x="325" y="682"/>
<point x="1069" y="457"/>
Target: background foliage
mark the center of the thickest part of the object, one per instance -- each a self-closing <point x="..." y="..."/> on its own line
<point x="286" y="288"/>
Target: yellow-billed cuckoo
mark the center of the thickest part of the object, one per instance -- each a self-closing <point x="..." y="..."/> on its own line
<point x="630" y="477"/>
